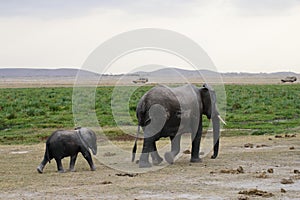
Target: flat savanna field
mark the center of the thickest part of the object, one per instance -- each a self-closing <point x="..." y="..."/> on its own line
<point x="259" y="149"/>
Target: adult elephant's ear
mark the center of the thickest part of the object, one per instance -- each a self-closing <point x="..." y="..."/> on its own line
<point x="206" y="101"/>
<point x="89" y="139"/>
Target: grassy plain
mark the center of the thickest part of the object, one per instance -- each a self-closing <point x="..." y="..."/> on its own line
<point x="29" y="115"/>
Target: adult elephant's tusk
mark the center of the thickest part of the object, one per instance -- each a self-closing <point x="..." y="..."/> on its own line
<point x="222" y="120"/>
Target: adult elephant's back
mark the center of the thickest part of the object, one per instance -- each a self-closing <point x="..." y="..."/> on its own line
<point x="159" y="97"/>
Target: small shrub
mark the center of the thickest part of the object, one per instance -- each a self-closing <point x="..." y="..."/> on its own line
<point x="30" y="112"/>
<point x="236" y="106"/>
<point x="12" y="115"/>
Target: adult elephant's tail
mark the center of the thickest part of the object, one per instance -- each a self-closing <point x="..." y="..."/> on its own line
<point x="135" y="144"/>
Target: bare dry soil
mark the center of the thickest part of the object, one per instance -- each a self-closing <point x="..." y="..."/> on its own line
<point x="248" y="167"/>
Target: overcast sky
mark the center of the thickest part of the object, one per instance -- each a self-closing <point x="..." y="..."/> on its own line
<point x="238" y="35"/>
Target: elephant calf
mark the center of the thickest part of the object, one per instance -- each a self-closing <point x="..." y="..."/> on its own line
<point x="64" y="143"/>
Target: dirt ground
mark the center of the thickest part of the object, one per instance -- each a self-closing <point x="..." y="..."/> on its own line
<point x="248" y="167"/>
<point x="29" y="82"/>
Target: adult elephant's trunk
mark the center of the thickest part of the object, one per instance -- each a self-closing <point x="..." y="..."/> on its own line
<point x="216" y="132"/>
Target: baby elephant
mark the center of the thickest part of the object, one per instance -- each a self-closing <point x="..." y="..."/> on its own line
<point x="64" y="143"/>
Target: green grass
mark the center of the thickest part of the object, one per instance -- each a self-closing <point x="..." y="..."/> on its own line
<point x="30" y="115"/>
<point x="263" y="108"/>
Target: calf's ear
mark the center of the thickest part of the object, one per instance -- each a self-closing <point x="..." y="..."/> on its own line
<point x="89" y="139"/>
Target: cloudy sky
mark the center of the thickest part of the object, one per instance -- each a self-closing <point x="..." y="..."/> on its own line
<point x="238" y="35"/>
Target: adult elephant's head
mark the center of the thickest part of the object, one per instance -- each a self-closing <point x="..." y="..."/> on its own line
<point x="88" y="139"/>
<point x="209" y="108"/>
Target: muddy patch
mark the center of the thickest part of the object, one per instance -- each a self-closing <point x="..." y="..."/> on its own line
<point x="109" y="154"/>
<point x="256" y="192"/>
<point x="250" y="145"/>
<point x="106" y="182"/>
<point x="285" y="136"/>
<point x="127" y="174"/>
<point x="239" y="170"/>
<point x="286" y="181"/>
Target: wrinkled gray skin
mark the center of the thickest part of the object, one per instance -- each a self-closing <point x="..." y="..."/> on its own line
<point x="170" y="112"/>
<point x="64" y="143"/>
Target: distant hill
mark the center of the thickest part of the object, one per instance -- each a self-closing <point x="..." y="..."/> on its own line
<point x="28" y="77"/>
<point x="170" y="72"/>
<point x="166" y="72"/>
<point x="273" y="74"/>
<point x="29" y="72"/>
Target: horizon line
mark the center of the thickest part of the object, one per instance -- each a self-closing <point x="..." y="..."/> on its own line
<point x="74" y="68"/>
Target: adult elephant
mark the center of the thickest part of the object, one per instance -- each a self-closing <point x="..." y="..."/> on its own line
<point x="170" y="112"/>
<point x="64" y="143"/>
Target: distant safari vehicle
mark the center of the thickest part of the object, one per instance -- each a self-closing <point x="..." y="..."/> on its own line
<point x="289" y="79"/>
<point x="141" y="80"/>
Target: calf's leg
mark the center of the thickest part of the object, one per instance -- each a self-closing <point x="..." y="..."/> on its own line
<point x="60" y="168"/>
<point x="72" y="162"/>
<point x="87" y="155"/>
<point x="42" y="165"/>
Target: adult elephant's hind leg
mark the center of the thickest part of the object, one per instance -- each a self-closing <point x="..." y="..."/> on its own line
<point x="175" y="148"/>
<point x="72" y="162"/>
<point x="156" y="159"/>
<point x="147" y="148"/>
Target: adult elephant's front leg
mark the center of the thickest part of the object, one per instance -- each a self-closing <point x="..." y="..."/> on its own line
<point x="147" y="148"/>
<point x="196" y="144"/>
<point x="175" y="148"/>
